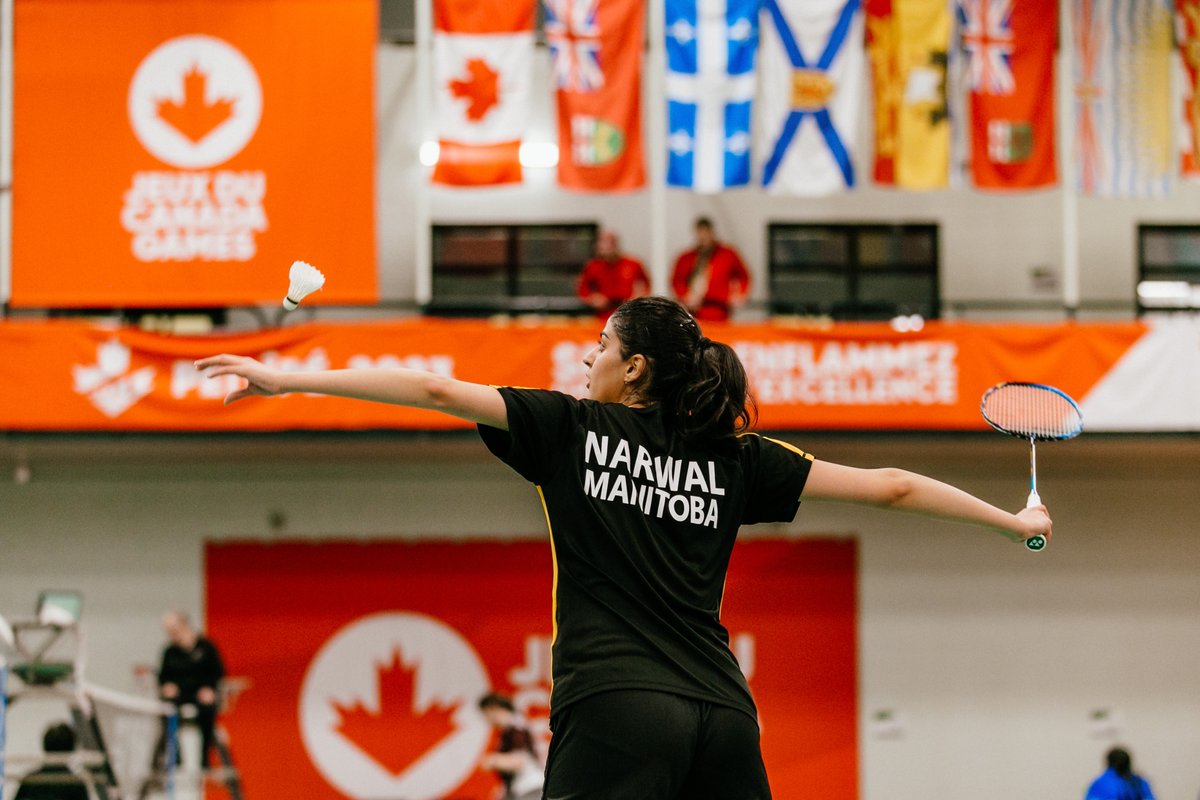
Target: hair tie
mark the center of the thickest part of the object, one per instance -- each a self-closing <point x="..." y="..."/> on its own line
<point x="703" y="343"/>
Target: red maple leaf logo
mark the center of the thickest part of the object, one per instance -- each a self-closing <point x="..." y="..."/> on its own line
<point x="195" y="118"/>
<point x="481" y="87"/>
<point x="397" y="734"/>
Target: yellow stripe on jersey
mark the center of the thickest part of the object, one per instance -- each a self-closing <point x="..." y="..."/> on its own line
<point x="784" y="445"/>
<point x="791" y="447"/>
<point x="554" y="561"/>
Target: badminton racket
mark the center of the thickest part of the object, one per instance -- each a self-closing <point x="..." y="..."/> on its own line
<point x="1036" y="413"/>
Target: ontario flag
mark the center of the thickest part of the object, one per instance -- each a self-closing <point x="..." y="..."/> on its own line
<point x="908" y="42"/>
<point x="812" y="69"/>
<point x="596" y="49"/>
<point x="1009" y="49"/>
<point x="1122" y="95"/>
<point x="1187" y="28"/>
<point x="483" y="72"/>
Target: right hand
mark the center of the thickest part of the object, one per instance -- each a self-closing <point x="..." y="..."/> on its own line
<point x="169" y="691"/>
<point x="1034" y="521"/>
<point x="260" y="379"/>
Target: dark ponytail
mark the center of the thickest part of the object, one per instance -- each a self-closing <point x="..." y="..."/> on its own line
<point x="700" y="383"/>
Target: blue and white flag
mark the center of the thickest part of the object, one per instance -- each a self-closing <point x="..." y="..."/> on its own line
<point x="813" y="62"/>
<point x="711" y="64"/>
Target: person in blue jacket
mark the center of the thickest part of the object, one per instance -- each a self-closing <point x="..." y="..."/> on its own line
<point x="1119" y="782"/>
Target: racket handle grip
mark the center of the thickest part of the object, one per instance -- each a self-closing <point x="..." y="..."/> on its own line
<point x="1034" y="544"/>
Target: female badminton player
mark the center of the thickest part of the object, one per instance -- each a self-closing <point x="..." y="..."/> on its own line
<point x="645" y="484"/>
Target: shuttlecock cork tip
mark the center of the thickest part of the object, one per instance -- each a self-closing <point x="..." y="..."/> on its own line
<point x="304" y="280"/>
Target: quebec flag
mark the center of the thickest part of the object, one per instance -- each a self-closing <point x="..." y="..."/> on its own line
<point x="712" y="47"/>
<point x="813" y="63"/>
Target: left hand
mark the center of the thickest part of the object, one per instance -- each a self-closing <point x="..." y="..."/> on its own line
<point x="206" y="696"/>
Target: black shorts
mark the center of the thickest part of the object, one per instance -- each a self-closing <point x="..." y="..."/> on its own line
<point x="646" y="745"/>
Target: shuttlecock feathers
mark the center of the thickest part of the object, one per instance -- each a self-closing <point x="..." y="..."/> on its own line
<point x="305" y="279"/>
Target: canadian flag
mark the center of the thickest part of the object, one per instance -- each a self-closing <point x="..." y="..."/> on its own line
<point x="483" y="69"/>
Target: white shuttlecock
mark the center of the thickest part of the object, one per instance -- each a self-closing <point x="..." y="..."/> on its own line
<point x="305" y="279"/>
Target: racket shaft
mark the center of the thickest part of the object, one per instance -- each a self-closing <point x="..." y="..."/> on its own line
<point x="1033" y="543"/>
<point x="1033" y="492"/>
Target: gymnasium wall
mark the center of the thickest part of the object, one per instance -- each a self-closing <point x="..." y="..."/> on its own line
<point x="990" y="658"/>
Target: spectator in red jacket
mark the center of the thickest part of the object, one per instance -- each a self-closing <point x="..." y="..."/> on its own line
<point x="710" y="279"/>
<point x="611" y="277"/>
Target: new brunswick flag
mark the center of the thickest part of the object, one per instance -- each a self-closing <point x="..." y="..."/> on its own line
<point x="908" y="42"/>
<point x="596" y="48"/>
<point x="1187" y="25"/>
<point x="1009" y="48"/>
<point x="483" y="62"/>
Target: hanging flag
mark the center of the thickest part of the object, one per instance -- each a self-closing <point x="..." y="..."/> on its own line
<point x="812" y="68"/>
<point x="1009" y="46"/>
<point x="1122" y="97"/>
<point x="712" y="48"/>
<point x="958" y="105"/>
<point x="1187" y="27"/>
<point x="908" y="43"/>
<point x="596" y="49"/>
<point x="483" y="72"/>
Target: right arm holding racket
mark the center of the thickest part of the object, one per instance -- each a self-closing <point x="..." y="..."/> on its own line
<point x="406" y="387"/>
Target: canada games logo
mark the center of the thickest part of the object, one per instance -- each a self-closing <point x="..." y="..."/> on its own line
<point x="194" y="103"/>
<point x="387" y="708"/>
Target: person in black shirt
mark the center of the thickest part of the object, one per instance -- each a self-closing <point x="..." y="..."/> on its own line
<point x="54" y="781"/>
<point x="515" y="759"/>
<point x="645" y="484"/>
<point x="191" y="674"/>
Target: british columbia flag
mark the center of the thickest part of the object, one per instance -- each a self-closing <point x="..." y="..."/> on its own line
<point x="573" y="36"/>
<point x="987" y="41"/>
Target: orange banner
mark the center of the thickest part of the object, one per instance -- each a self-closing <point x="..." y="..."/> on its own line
<point x="62" y="375"/>
<point x="370" y="690"/>
<point x="194" y="150"/>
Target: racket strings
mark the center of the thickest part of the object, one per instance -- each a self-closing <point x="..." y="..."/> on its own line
<point x="1032" y="412"/>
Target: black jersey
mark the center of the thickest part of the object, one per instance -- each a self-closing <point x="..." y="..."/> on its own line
<point x="641" y="528"/>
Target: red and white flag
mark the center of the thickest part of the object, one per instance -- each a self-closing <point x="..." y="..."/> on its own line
<point x="483" y="73"/>
<point x="596" y="46"/>
<point x="1187" y="27"/>
<point x="1009" y="49"/>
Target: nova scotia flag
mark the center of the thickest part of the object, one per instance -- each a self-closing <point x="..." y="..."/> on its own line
<point x="711" y="64"/>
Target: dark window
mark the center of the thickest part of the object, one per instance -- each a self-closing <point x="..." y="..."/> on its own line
<point x="1168" y="267"/>
<point x="853" y="272"/>
<point x="488" y="269"/>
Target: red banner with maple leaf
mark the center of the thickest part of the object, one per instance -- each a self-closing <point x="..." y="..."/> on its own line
<point x="366" y="660"/>
<point x="187" y="156"/>
<point x="483" y="73"/>
<point x="596" y="48"/>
